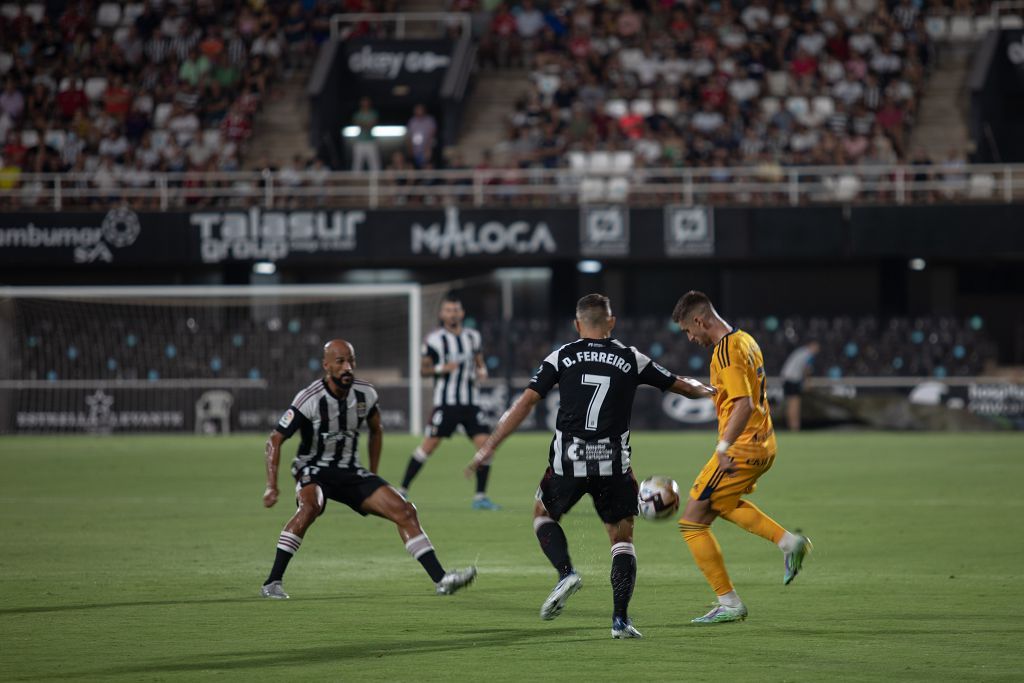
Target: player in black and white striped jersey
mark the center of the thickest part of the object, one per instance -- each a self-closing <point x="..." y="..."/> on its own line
<point x="597" y="378"/>
<point x="452" y="356"/>
<point x="328" y="415"/>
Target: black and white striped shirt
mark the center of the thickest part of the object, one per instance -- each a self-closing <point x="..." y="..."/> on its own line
<point x="329" y="425"/>
<point x="597" y="380"/>
<point x="457" y="388"/>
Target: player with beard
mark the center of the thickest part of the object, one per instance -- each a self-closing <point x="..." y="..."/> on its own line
<point x="329" y="415"/>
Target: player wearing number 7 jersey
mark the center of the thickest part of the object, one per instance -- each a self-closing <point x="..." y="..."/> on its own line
<point x="746" y="450"/>
<point x="597" y="378"/>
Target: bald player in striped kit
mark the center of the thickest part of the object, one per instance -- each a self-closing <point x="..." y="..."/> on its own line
<point x="329" y="415"/>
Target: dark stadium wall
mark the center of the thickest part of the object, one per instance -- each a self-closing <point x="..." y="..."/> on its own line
<point x="996" y="85"/>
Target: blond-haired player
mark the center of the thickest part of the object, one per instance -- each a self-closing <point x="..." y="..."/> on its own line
<point x="746" y="450"/>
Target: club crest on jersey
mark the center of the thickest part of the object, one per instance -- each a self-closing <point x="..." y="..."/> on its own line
<point x="287" y="418"/>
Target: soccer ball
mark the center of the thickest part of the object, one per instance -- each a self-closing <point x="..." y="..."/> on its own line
<point x="658" y="498"/>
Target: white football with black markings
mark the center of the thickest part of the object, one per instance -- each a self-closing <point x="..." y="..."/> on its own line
<point x="658" y="498"/>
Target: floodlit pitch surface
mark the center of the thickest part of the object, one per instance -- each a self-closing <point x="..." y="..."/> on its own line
<point x="139" y="558"/>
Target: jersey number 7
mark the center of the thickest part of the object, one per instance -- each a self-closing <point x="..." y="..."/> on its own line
<point x="600" y="384"/>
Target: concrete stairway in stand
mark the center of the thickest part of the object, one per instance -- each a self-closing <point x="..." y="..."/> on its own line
<point x="941" y="123"/>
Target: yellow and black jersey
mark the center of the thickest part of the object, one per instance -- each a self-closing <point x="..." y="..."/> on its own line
<point x="737" y="372"/>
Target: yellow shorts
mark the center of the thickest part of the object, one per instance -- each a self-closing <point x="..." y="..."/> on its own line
<point x="725" y="489"/>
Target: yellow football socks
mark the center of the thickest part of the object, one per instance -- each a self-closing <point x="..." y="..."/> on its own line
<point x="707" y="554"/>
<point x="748" y="516"/>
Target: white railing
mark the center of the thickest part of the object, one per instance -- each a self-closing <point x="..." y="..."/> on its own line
<point x="792" y="186"/>
<point x="401" y="20"/>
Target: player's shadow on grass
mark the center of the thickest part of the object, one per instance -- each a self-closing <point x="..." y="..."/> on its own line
<point x="42" y="609"/>
<point x="350" y="651"/>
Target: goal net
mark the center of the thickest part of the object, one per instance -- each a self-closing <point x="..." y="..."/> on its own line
<point x="197" y="359"/>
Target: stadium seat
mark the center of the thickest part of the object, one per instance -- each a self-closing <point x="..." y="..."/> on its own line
<point x="823" y="106"/>
<point x="131" y="12"/>
<point x="578" y="161"/>
<point x="778" y="83"/>
<point x="6" y="60"/>
<point x="642" y="107"/>
<point x="798" y="106"/>
<point x="667" y="107"/>
<point x="211" y="138"/>
<point x="95" y="87"/>
<point x="770" y="106"/>
<point x="55" y="138"/>
<point x="601" y="162"/>
<point x="622" y="162"/>
<point x="29" y="137"/>
<point x="108" y="15"/>
<point x="981" y="186"/>
<point x="10" y="10"/>
<point x="937" y="27"/>
<point x="37" y="11"/>
<point x="592" y="190"/>
<point x="618" y="189"/>
<point x="982" y="25"/>
<point x="161" y="113"/>
<point x="844" y="188"/>
<point x="961" y="28"/>
<point x="1011" y="21"/>
<point x="616" y="108"/>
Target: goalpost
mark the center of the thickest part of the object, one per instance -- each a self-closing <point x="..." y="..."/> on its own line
<point x="204" y="359"/>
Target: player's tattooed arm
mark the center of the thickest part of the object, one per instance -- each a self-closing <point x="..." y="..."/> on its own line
<point x="481" y="367"/>
<point x="691" y="388"/>
<point x="376" y="441"/>
<point x="508" y="423"/>
<point x="273" y="459"/>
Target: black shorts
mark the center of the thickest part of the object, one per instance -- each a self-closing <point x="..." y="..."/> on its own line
<point x="446" y="418"/>
<point x="615" y="498"/>
<point x="349" y="486"/>
<point x="792" y="388"/>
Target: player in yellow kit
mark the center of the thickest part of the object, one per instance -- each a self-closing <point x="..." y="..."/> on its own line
<point x="746" y="450"/>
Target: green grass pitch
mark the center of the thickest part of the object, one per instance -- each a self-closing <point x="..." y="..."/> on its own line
<point x="139" y="559"/>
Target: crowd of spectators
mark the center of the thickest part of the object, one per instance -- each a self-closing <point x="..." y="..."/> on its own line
<point x="120" y="91"/>
<point x="699" y="84"/>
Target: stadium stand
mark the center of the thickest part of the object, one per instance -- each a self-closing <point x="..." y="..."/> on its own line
<point x="235" y="345"/>
<point x="122" y="90"/>
<point x="865" y="346"/>
<point x="714" y="84"/>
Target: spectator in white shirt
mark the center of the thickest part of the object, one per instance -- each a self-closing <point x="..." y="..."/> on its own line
<point x="113" y="145"/>
<point x="183" y="125"/>
<point x="707" y="120"/>
<point x="743" y="88"/>
<point x="811" y="43"/>
<point x="529" y="20"/>
<point x="756" y="15"/>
